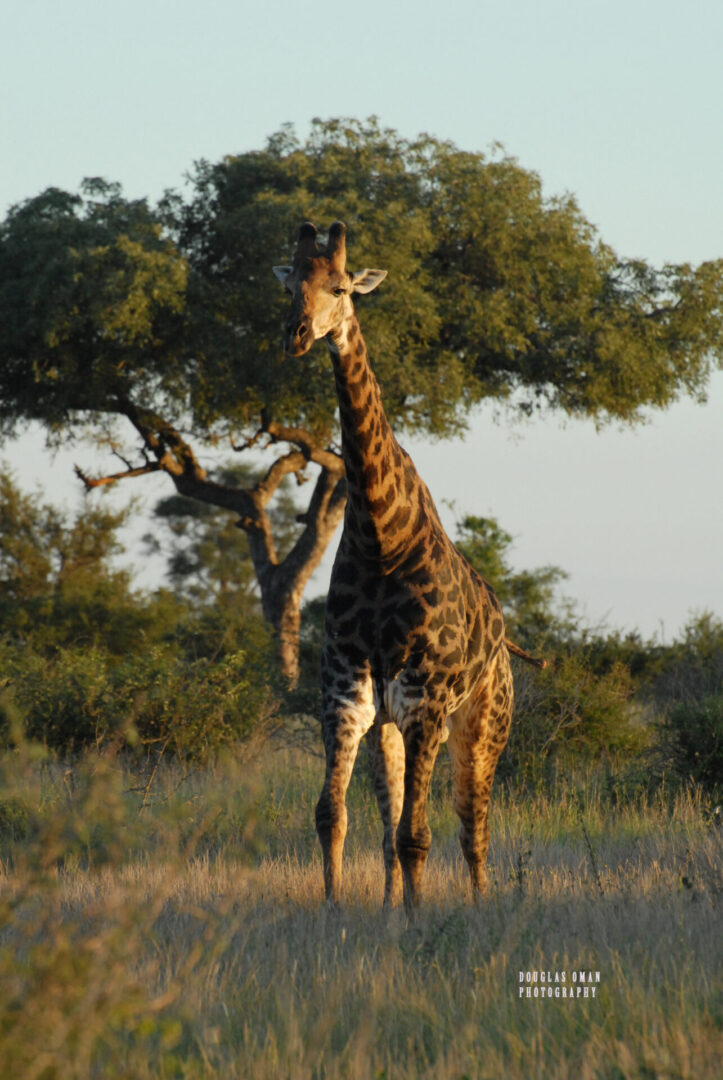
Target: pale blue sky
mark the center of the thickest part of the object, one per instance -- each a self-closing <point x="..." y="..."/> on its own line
<point x="619" y="102"/>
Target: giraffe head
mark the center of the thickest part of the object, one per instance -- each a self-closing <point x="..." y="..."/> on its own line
<point x="321" y="288"/>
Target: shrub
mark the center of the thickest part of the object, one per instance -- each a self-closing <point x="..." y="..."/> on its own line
<point x="694" y="736"/>
<point x="84" y="697"/>
<point x="691" y="669"/>
<point x="569" y="714"/>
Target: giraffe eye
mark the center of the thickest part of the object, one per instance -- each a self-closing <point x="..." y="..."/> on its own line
<point x="339" y="291"/>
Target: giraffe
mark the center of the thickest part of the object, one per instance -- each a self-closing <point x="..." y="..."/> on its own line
<point x="415" y="650"/>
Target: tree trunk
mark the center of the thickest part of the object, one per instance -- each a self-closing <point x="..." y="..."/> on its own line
<point x="285" y="617"/>
<point x="281" y="582"/>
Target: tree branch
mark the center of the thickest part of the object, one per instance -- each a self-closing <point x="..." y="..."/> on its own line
<point x="247" y="443"/>
<point x="292" y="462"/>
<point x="91" y="482"/>
<point x="310" y="448"/>
<point x="323" y="514"/>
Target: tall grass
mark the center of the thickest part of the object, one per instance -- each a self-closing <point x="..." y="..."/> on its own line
<point x="171" y="924"/>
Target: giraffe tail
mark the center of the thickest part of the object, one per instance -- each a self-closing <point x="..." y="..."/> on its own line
<point x="517" y="651"/>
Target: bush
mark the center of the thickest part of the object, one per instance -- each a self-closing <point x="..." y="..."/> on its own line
<point x="691" y="669"/>
<point x="81" y="698"/>
<point x="694" y="736"/>
<point x="568" y="714"/>
<point x="85" y="659"/>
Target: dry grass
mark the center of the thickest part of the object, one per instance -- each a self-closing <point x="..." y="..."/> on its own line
<point x="189" y="939"/>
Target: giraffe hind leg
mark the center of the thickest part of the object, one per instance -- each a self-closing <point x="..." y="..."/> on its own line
<point x="472" y="788"/>
<point x="414" y="837"/>
<point x="478" y="736"/>
<point x="386" y="763"/>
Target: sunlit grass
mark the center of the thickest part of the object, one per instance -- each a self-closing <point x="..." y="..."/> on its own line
<point x="179" y="931"/>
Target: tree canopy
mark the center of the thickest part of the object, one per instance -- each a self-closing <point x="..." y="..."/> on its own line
<point x="163" y="323"/>
<point x="494" y="290"/>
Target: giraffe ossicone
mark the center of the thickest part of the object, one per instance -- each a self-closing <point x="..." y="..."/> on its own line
<point x="415" y="646"/>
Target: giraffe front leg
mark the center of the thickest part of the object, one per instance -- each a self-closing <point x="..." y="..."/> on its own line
<point x="386" y="762"/>
<point x="342" y="738"/>
<point x="414" y="837"/>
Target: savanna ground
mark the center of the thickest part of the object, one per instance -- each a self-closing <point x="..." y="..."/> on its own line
<point x="170" y="923"/>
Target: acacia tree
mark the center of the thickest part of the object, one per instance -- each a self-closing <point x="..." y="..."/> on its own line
<point x="158" y="329"/>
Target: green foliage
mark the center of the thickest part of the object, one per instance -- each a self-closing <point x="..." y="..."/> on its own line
<point x="125" y="321"/>
<point x="58" y="586"/>
<point x="494" y="290"/>
<point x="533" y="612"/>
<point x="596" y="701"/>
<point x="568" y="715"/>
<point x="91" y="297"/>
<point x="691" y="669"/>
<point x="207" y="555"/>
<point x="158" y="697"/>
<point x="15" y="819"/>
<point x="306" y="698"/>
<point x="687" y="689"/>
<point x="85" y="660"/>
<point x="604" y="648"/>
<point x="650" y="710"/>
<point x="694" y="736"/>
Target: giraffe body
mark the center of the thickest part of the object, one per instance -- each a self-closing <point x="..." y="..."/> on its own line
<point x="415" y="649"/>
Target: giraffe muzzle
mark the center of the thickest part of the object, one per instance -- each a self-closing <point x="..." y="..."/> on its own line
<point x="298" y="338"/>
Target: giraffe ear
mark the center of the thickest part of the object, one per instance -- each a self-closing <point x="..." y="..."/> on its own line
<point x="363" y="281"/>
<point x="282" y="272"/>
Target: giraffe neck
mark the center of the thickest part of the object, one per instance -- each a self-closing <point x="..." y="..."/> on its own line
<point x="383" y="486"/>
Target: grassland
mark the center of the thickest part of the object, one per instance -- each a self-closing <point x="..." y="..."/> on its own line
<point x="170" y="924"/>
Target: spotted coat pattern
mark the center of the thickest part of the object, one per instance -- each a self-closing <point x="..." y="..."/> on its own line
<point x="415" y="649"/>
